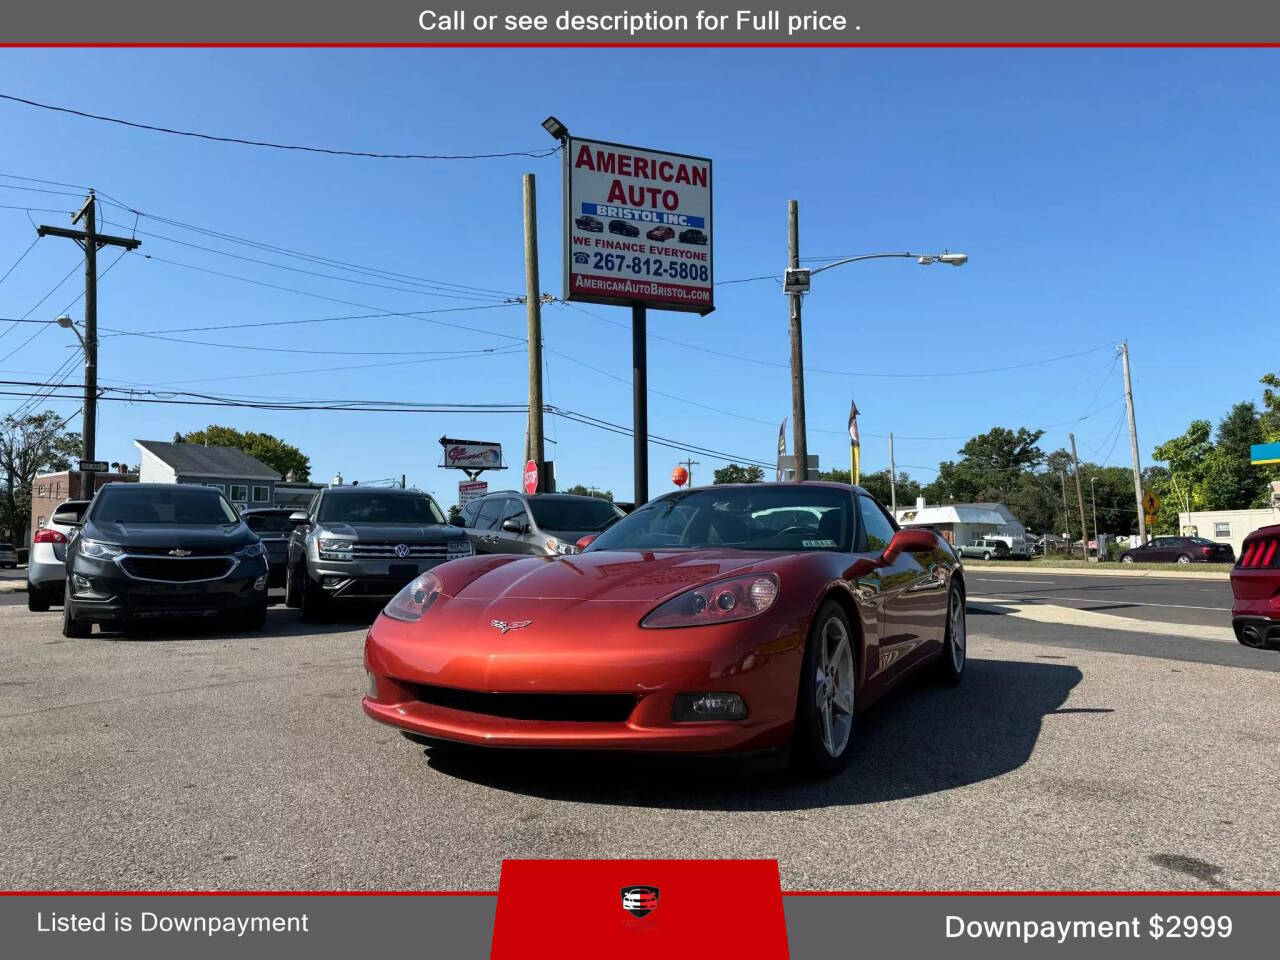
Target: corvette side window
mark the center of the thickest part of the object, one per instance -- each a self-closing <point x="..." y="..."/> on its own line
<point x="878" y="526"/>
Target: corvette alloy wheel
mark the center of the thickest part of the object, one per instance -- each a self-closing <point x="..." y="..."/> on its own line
<point x="955" y="623"/>
<point x="833" y="693"/>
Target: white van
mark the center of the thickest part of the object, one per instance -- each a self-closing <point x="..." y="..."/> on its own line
<point x="1018" y="546"/>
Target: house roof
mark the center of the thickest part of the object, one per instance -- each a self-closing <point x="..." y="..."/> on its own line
<point x="194" y="459"/>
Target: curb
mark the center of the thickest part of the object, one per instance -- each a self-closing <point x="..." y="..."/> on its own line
<point x="13" y="586"/>
<point x="1107" y="570"/>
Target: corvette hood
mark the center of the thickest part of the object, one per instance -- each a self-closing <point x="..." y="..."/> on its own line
<point x="613" y="576"/>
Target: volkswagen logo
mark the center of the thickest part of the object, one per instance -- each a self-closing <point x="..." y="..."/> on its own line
<point x="639" y="901"/>
<point x="402" y="550"/>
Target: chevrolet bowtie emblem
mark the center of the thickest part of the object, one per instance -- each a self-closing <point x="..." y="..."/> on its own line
<point x="179" y="552"/>
<point x="503" y="625"/>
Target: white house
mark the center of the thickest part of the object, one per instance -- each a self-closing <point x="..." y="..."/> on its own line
<point x="962" y="522"/>
<point x="1227" y="526"/>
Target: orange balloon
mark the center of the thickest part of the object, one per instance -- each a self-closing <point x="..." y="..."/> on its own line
<point x="679" y="476"/>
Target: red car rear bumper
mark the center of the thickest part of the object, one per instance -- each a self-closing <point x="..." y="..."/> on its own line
<point x="1255" y="611"/>
<point x="508" y="695"/>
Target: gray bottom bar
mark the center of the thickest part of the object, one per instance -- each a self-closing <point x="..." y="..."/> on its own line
<point x="461" y="926"/>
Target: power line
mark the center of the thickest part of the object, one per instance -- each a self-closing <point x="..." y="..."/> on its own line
<point x="419" y="314"/>
<point x="21" y="257"/>
<point x="14" y="324"/>
<point x="434" y="289"/>
<point x="536" y="154"/>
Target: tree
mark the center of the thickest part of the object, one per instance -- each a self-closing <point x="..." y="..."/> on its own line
<point x="1231" y="482"/>
<point x="736" y="474"/>
<point x="454" y="510"/>
<point x="989" y="467"/>
<point x="274" y="452"/>
<point x="31" y="444"/>
<point x="579" y="490"/>
<point x="877" y="484"/>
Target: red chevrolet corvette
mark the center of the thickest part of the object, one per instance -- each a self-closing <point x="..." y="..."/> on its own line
<point x="732" y="618"/>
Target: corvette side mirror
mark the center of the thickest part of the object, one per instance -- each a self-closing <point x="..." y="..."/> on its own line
<point x="911" y="540"/>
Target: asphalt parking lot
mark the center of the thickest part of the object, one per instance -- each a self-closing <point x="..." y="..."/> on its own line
<point x="1072" y="757"/>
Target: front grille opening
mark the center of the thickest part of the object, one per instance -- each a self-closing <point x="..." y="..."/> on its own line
<point x="175" y="570"/>
<point x="560" y="707"/>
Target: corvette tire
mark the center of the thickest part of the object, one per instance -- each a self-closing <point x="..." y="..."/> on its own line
<point x="822" y="743"/>
<point x="955" y="639"/>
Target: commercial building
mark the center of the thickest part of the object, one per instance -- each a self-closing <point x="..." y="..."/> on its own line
<point x="1227" y="526"/>
<point x="51" y="489"/>
<point x="245" y="481"/>
<point x="961" y="522"/>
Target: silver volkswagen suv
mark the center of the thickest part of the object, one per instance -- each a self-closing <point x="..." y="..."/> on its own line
<point x="362" y="543"/>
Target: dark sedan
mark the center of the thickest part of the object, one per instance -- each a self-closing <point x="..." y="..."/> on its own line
<point x="1180" y="550"/>
<point x="623" y="228"/>
<point x="590" y="224"/>
<point x="161" y="550"/>
<point x="660" y="233"/>
<point x="693" y="236"/>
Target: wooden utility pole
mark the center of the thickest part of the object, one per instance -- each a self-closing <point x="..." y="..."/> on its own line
<point x="534" y="446"/>
<point x="90" y="241"/>
<point x="689" y="465"/>
<point x="1084" y="525"/>
<point x="1133" y="445"/>
<point x="1066" y="512"/>
<point x="801" y="442"/>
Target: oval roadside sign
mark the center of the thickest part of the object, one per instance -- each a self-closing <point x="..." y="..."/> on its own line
<point x="530" y="477"/>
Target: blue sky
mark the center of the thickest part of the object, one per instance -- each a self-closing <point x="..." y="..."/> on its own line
<point x="1100" y="195"/>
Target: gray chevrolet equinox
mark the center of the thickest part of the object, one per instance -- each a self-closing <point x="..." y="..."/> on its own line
<point x="357" y="543"/>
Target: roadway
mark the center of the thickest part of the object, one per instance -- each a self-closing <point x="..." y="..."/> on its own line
<point x="1071" y="757"/>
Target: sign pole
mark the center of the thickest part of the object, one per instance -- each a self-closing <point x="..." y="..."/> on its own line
<point x="640" y="400"/>
<point x="535" y="450"/>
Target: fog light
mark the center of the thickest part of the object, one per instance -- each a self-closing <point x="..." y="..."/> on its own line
<point x="371" y="687"/>
<point x="330" y="582"/>
<point x="82" y="584"/>
<point x="260" y="583"/>
<point x="708" y="706"/>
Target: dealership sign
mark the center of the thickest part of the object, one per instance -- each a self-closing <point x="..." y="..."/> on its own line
<point x="637" y="227"/>
<point x="471" y="454"/>
<point x="469" y="490"/>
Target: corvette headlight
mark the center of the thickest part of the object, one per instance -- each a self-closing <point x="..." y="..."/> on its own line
<point x="724" y="601"/>
<point x="331" y="549"/>
<point x="415" y="599"/>
<point x="97" y="550"/>
<point x="460" y="548"/>
<point x="250" y="551"/>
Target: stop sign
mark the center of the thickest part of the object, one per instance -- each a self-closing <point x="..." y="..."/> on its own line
<point x="530" y="477"/>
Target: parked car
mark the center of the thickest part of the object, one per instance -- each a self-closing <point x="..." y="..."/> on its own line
<point x="1019" y="547"/>
<point x="8" y="556"/>
<point x="687" y="626"/>
<point x="159" y="550"/>
<point x="693" y="236"/>
<point x="1255" y="589"/>
<point x="623" y="228"/>
<point x="660" y="233"/>
<point x="986" y="549"/>
<point x="590" y="224"/>
<point x="358" y="543"/>
<point x="542" y="524"/>
<point x="47" y="564"/>
<point x="1180" y="550"/>
<point x="273" y="527"/>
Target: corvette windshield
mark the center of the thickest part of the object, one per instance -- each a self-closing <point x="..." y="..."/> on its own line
<point x="787" y="518"/>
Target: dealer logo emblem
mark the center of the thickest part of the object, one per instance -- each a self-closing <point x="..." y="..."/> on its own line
<point x="402" y="550"/>
<point x="639" y="901"/>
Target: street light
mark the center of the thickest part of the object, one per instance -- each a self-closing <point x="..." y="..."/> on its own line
<point x="556" y="128"/>
<point x="69" y="324"/>
<point x="796" y="282"/>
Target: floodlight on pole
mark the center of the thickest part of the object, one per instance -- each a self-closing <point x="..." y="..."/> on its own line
<point x="556" y="129"/>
